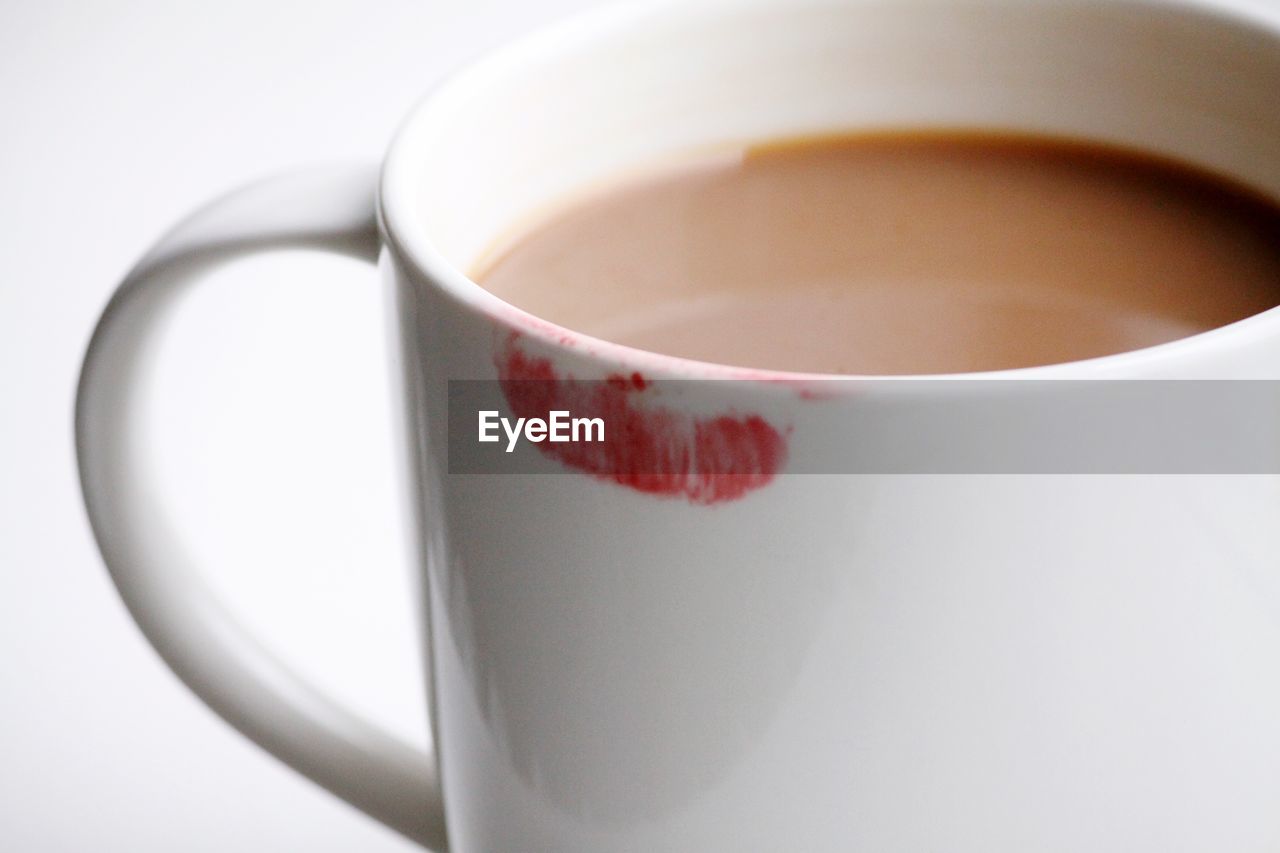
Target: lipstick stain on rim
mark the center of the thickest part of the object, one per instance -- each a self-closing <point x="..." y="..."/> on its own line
<point x="648" y="447"/>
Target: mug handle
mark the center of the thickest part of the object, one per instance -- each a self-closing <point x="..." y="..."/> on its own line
<point x="331" y="209"/>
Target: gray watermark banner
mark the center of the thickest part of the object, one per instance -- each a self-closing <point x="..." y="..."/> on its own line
<point x="624" y="428"/>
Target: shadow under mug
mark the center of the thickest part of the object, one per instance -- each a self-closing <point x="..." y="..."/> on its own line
<point x="819" y="663"/>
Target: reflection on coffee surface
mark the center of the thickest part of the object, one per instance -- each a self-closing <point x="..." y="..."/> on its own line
<point x="900" y="253"/>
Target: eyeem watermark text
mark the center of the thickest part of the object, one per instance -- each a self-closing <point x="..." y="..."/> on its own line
<point x="559" y="427"/>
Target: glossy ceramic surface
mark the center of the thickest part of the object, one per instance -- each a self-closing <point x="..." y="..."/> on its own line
<point x="819" y="663"/>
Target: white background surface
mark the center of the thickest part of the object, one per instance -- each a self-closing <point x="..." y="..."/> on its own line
<point x="271" y="428"/>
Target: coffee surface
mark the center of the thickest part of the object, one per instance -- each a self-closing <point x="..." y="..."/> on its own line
<point x="900" y="254"/>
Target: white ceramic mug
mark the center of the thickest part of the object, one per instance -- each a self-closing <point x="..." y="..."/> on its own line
<point x="882" y="663"/>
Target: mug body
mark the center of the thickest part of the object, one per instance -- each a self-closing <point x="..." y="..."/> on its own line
<point x="844" y="661"/>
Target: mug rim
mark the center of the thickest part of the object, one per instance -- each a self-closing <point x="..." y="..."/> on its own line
<point x="407" y="236"/>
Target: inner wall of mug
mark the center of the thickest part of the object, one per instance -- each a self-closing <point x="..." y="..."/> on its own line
<point x="602" y="95"/>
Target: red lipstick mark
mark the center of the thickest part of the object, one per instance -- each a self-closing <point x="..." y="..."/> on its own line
<point x="649" y="448"/>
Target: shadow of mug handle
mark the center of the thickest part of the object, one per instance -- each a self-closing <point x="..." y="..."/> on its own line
<point x="332" y="209"/>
